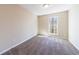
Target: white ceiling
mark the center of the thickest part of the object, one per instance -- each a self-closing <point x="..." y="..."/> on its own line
<point x="39" y="10"/>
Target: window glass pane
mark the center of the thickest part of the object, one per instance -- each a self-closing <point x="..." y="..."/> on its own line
<point x="53" y="24"/>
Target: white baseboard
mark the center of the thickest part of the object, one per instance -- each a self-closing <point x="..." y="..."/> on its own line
<point x="16" y="45"/>
<point x="74" y="44"/>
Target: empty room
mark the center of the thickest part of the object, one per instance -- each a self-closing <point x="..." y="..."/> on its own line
<point x="39" y="29"/>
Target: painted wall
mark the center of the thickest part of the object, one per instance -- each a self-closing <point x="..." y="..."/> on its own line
<point x="16" y="25"/>
<point x="43" y="22"/>
<point x="43" y="25"/>
<point x="74" y="25"/>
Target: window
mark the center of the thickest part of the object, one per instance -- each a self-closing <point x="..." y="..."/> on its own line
<point x="53" y="25"/>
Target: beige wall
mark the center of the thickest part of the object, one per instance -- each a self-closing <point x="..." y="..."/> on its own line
<point x="62" y="24"/>
<point x="16" y="26"/>
<point x="43" y="25"/>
